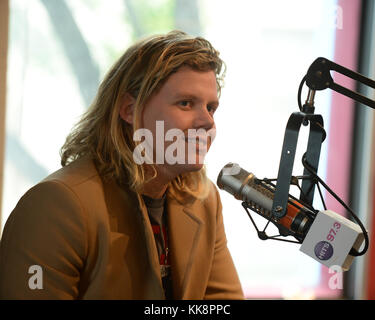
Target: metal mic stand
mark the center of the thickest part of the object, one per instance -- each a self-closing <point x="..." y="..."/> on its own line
<point x="318" y="77"/>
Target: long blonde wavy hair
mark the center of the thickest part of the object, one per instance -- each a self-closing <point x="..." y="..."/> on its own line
<point x="140" y="72"/>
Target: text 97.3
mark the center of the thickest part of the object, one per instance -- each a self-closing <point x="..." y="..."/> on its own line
<point x="333" y="231"/>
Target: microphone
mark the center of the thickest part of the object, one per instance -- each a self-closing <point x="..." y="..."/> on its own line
<point x="258" y="195"/>
<point x="326" y="236"/>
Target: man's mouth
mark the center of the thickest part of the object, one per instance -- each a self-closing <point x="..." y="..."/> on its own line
<point x="200" y="142"/>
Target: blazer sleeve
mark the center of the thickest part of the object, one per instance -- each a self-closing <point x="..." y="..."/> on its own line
<point x="43" y="245"/>
<point x="223" y="282"/>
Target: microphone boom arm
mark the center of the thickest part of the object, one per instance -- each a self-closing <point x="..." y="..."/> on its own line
<point x="318" y="77"/>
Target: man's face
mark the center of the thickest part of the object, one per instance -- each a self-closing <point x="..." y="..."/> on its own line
<point x="184" y="104"/>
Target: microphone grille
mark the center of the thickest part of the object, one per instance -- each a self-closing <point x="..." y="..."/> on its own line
<point x="246" y="187"/>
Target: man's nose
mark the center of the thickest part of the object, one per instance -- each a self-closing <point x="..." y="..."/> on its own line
<point x="203" y="119"/>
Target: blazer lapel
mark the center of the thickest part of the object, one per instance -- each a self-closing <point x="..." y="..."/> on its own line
<point x="124" y="204"/>
<point x="184" y="232"/>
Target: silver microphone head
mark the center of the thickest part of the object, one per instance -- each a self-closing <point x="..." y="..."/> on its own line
<point x="243" y="186"/>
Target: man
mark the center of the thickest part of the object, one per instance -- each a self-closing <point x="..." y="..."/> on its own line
<point x="131" y="215"/>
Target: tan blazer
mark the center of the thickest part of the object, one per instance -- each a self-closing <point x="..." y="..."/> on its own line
<point x="93" y="240"/>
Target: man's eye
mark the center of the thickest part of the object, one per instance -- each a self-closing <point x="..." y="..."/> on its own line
<point x="185" y="103"/>
<point x="211" y="109"/>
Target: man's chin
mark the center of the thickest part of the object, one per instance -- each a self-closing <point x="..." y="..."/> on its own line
<point x="195" y="167"/>
<point x="189" y="167"/>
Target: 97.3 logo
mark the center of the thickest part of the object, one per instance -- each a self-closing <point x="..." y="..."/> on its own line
<point x="323" y="249"/>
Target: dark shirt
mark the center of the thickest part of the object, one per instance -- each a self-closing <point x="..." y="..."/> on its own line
<point x="157" y="214"/>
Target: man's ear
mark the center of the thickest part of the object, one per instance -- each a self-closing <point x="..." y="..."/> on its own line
<point x="127" y="108"/>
